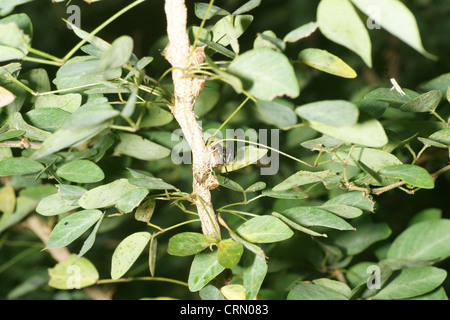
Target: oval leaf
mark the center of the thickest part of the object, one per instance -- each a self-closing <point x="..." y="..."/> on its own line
<point x="127" y="252"/>
<point x="54" y="204"/>
<point x="411" y="174"/>
<point x="264" y="229"/>
<point x="324" y="61"/>
<point x="19" y="166"/>
<point x="81" y="171"/>
<point x="312" y="216"/>
<point x="266" y="74"/>
<point x="339" y="22"/>
<point x="412" y="282"/>
<point x="71" y="227"/>
<point x="397" y="19"/>
<point x="204" y="268"/>
<point x="105" y="195"/>
<point x="137" y="147"/>
<point x="426" y="102"/>
<point x="189" y="243"/>
<point x="73" y="273"/>
<point x="427" y="240"/>
<point x="229" y="252"/>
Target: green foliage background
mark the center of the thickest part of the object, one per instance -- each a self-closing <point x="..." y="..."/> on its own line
<point x="22" y="263"/>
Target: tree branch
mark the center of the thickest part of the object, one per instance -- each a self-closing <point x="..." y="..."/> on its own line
<point x="186" y="90"/>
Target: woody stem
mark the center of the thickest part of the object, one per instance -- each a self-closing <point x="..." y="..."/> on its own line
<point x="186" y="90"/>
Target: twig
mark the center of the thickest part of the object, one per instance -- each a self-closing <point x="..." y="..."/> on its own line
<point x="22" y="144"/>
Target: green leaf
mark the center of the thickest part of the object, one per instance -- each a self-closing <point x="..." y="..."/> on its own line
<point x="90" y="114"/>
<point x="427" y="240"/>
<point x="268" y="39"/>
<point x="16" y="121"/>
<point x="441" y="137"/>
<point x="54" y="204"/>
<point x="411" y="174"/>
<point x="366" y="234"/>
<point x="233" y="292"/>
<point x="11" y="134"/>
<point x="204" y="268"/>
<point x="255" y="270"/>
<point x="156" y="117"/>
<point x="230" y="184"/>
<point x="209" y="292"/>
<point x="367" y="132"/>
<point x="394" y="98"/>
<point x="297" y="226"/>
<point x="152" y="254"/>
<point x="397" y="19"/>
<point x="81" y="171"/>
<point x="87" y="245"/>
<point x="340" y="23"/>
<point x="7" y="199"/>
<point x="426" y="102"/>
<point x="13" y="42"/>
<point x="335" y="113"/>
<point x="412" y="282"/>
<point x="256" y="186"/>
<point x="73" y="273"/>
<point x="441" y="83"/>
<point x="137" y="147"/>
<point x="347" y="212"/>
<point x="375" y="159"/>
<point x="118" y="54"/>
<point x="48" y="119"/>
<point x="436" y="294"/>
<point x="264" y="229"/>
<point x="67" y="102"/>
<point x="313" y="291"/>
<point x="355" y="199"/>
<point x="151" y="183"/>
<point x="127" y="252"/>
<point x="301" y="32"/>
<point x="106" y="195"/>
<point x="189" y="243"/>
<point x="229" y="252"/>
<point x="313" y="216"/>
<point x="201" y="9"/>
<point x="83" y="71"/>
<point x="72" y="227"/>
<point x="285" y="194"/>
<point x="266" y="74"/>
<point x="278" y="112"/>
<point x="19" y="166"/>
<point x="324" y="61"/>
<point x="426" y="214"/>
<point x="145" y="211"/>
<point x="64" y="138"/>
<point x="131" y="199"/>
<point x="220" y="30"/>
<point x="249" y="5"/>
<point x="301" y="178"/>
